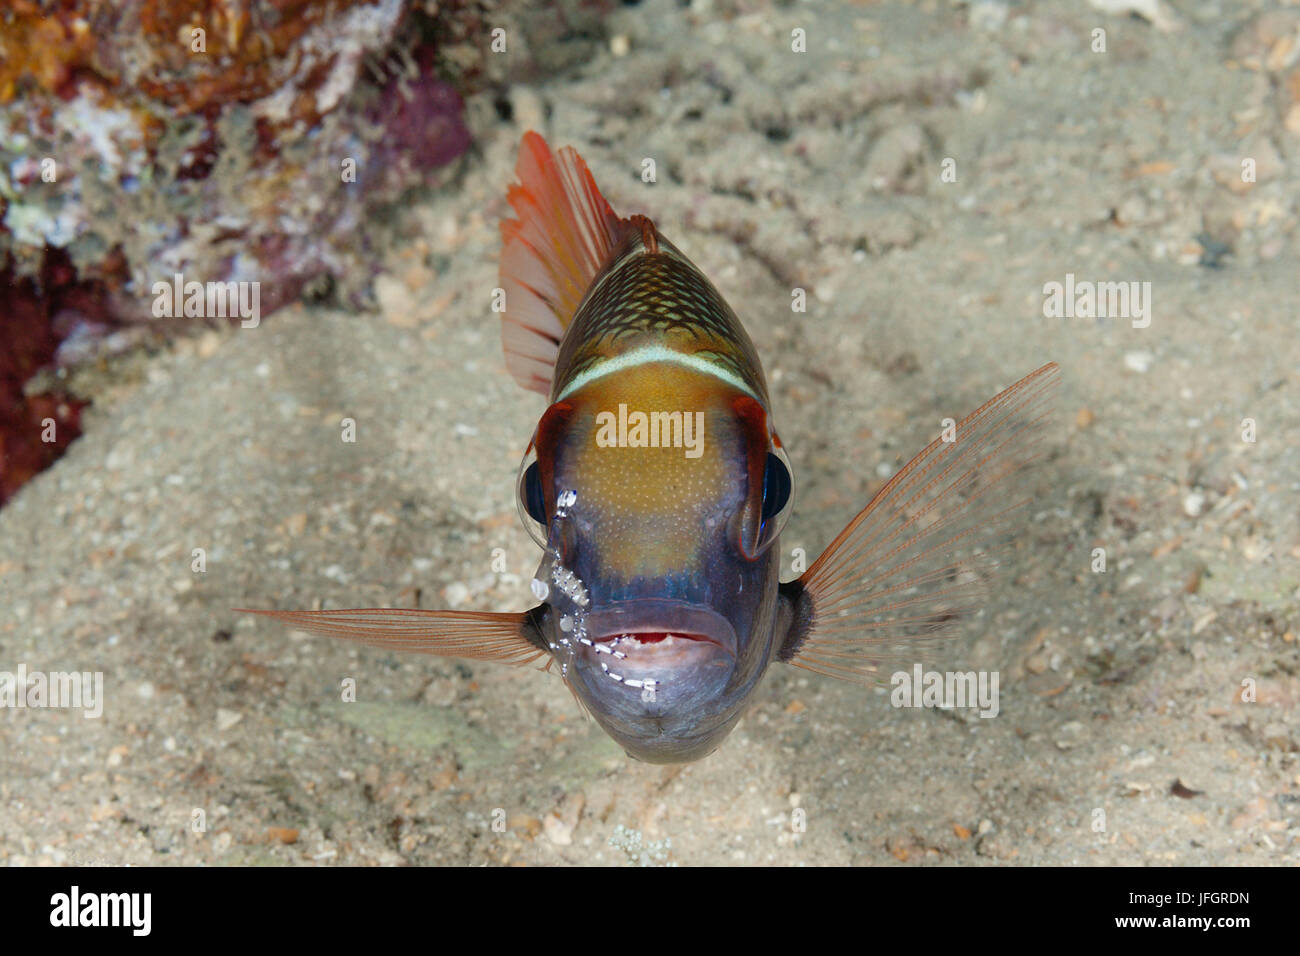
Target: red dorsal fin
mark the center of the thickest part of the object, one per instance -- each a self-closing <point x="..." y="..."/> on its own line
<point x="564" y="235"/>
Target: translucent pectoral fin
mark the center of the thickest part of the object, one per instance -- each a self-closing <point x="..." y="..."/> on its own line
<point x="477" y="635"/>
<point x="920" y="557"/>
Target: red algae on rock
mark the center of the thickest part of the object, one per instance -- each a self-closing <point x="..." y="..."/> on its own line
<point x="147" y="139"/>
<point x="35" y="428"/>
<point x="204" y="138"/>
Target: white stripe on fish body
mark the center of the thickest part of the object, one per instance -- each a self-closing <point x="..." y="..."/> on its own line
<point x="654" y="353"/>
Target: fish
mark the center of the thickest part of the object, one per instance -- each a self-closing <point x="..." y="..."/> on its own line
<point x="658" y="488"/>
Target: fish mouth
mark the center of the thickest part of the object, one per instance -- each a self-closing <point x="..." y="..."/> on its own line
<point x="662" y="632"/>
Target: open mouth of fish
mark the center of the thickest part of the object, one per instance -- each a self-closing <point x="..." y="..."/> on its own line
<point x="642" y="638"/>
<point x="660" y="633"/>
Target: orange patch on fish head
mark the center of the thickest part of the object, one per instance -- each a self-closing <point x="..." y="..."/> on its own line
<point x="653" y="506"/>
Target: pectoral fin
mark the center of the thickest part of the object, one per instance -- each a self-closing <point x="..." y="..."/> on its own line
<point x="477" y="635"/>
<point x="921" y="555"/>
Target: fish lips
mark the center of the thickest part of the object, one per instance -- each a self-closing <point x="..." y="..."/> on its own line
<point x="648" y="636"/>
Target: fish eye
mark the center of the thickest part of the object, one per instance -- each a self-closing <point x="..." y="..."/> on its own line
<point x="776" y="487"/>
<point x="530" y="497"/>
<point x="531" y="494"/>
<point x="778" y="497"/>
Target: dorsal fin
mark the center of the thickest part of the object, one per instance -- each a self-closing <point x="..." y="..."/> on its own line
<point x="564" y="235"/>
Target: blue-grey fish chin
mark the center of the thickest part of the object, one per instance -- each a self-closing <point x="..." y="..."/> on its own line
<point x="640" y="742"/>
<point x="656" y="675"/>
